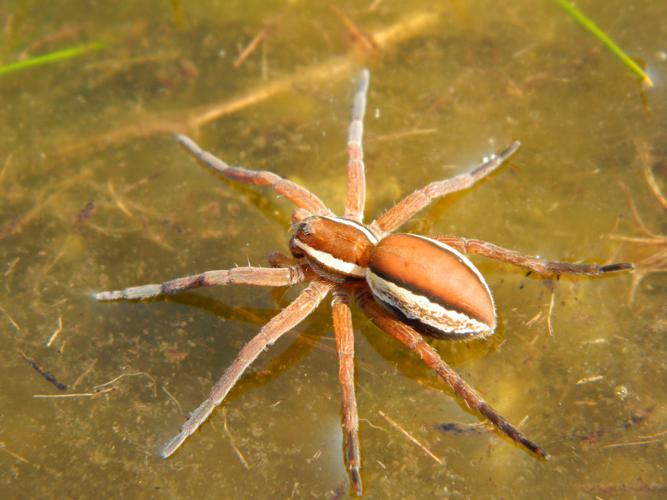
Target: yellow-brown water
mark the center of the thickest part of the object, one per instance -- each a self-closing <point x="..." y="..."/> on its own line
<point x="95" y="194"/>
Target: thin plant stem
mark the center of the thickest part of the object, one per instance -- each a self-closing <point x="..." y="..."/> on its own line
<point x="51" y="57"/>
<point x="606" y="40"/>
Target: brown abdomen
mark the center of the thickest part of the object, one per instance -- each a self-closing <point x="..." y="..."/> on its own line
<point x="431" y="286"/>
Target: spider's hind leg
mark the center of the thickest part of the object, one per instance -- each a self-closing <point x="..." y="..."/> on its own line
<point x="342" y="320"/>
<point x="542" y="266"/>
<point x="414" y="341"/>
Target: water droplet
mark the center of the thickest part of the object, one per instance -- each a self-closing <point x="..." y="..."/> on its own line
<point x="621" y="392"/>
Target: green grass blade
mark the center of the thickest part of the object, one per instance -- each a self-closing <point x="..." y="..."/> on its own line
<point x="604" y="38"/>
<point x="51" y="57"/>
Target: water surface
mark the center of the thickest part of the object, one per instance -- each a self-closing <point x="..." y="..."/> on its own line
<point x="96" y="194"/>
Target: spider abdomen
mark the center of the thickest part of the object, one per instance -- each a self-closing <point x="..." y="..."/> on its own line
<point x="431" y="286"/>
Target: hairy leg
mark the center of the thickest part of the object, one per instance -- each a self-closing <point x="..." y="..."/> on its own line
<point x="284" y="321"/>
<point x="479" y="247"/>
<point x="414" y="341"/>
<point x="342" y="320"/>
<point x="298" y="195"/>
<point x="260" y="276"/>
<point x="398" y="214"/>
<point x="356" y="174"/>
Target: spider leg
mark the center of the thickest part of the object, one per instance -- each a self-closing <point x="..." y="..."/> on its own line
<point x="414" y="341"/>
<point x="413" y="203"/>
<point x="298" y="195"/>
<point x="536" y="264"/>
<point x="299" y="214"/>
<point x="342" y="320"/>
<point x="284" y="321"/>
<point x="277" y="259"/>
<point x="260" y="276"/>
<point x="356" y="174"/>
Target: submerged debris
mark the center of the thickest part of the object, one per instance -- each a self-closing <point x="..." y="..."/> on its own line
<point x="47" y="375"/>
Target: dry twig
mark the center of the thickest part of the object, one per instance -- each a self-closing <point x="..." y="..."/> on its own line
<point x="362" y="39"/>
<point x="631" y="443"/>
<point x="11" y="453"/>
<point x="586" y="380"/>
<point x="11" y="320"/>
<point x="56" y="332"/>
<point x="411" y="437"/>
<point x="5" y="167"/>
<point x="74" y="395"/>
<point x="656" y="262"/>
<point x="11" y="266"/>
<point x="190" y="121"/>
<point x="133" y="374"/>
<point x="231" y="441"/>
<point x="83" y="375"/>
<point x="646" y="158"/>
<point x="171" y="396"/>
<point x="251" y="47"/>
<point x="550" y="313"/>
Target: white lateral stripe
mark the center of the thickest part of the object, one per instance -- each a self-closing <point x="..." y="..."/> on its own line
<point x="332" y="262"/>
<point x="369" y="235"/>
<point x="424" y="310"/>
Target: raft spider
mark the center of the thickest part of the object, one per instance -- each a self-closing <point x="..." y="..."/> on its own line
<point x="408" y="285"/>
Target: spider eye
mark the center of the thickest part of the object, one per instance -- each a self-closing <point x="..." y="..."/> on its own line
<point x="302" y="228"/>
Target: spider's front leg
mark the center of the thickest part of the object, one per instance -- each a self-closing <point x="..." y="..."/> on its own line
<point x="356" y="171"/>
<point x="298" y="195"/>
<point x="399" y="214"/>
<point x="479" y="247"/>
<point x="414" y="341"/>
<point x="280" y="324"/>
<point x="259" y="276"/>
<point x="342" y="320"/>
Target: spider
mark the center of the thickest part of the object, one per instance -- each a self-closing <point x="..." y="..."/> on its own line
<point x="408" y="285"/>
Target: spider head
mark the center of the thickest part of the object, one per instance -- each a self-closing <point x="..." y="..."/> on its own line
<point x="336" y="248"/>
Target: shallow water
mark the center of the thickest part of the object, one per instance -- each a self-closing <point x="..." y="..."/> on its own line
<point x="97" y="195"/>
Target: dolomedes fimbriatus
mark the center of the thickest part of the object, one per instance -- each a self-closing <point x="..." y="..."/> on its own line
<point x="407" y="285"/>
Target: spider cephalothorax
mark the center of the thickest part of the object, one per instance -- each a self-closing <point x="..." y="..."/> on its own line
<point x="406" y="284"/>
<point x="337" y="249"/>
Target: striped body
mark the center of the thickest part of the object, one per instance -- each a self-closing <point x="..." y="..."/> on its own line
<point x="423" y="282"/>
<point x="431" y="287"/>
<point x="336" y="248"/>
